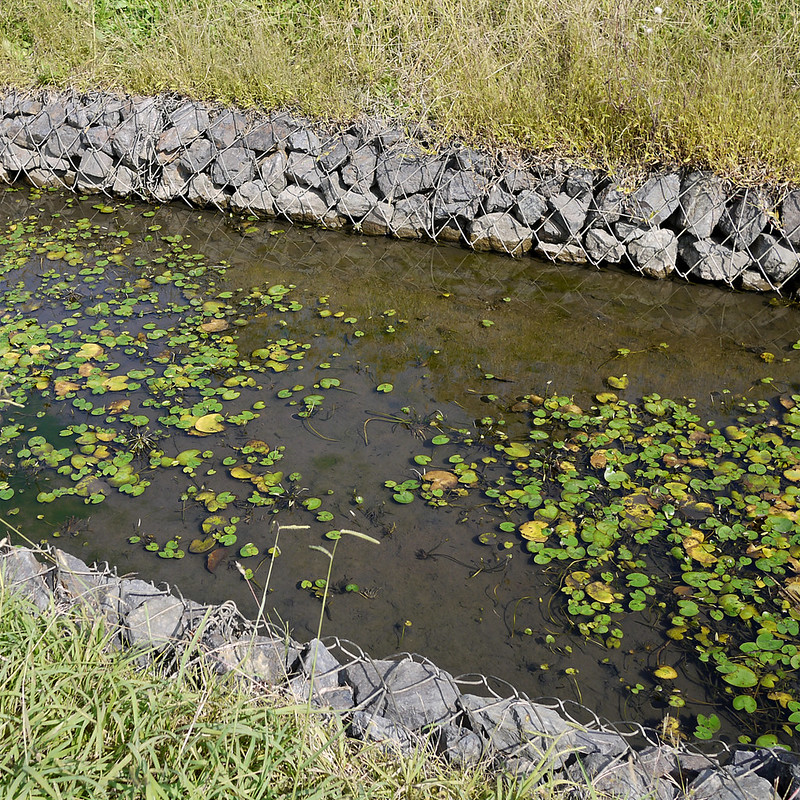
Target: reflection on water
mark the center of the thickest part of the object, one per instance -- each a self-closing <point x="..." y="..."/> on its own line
<point x="440" y="320"/>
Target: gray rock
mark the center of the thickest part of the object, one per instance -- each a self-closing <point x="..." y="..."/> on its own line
<point x="304" y="140"/>
<point x="654" y="202"/>
<point x="550" y="181"/>
<point x="98" y="592"/>
<point x="253" y="196"/>
<point x="754" y="281"/>
<point x="460" y="746"/>
<point x="95" y="168"/>
<point x="579" y="182"/>
<point x="45" y="122"/>
<point x="412" y="217"/>
<point x="405" y="169"/>
<point x="566" y="252"/>
<point x="405" y="692"/>
<point x="133" y="592"/>
<point x="126" y="181"/>
<point x="501" y="232"/>
<point x="233" y="167"/>
<point x="654" y="253"/>
<point x="605" y="743"/>
<point x="28" y="107"/>
<point x="332" y="188"/>
<point x="619" y="778"/>
<point x="44" y="177"/>
<point x="258" y="657"/>
<point x="607" y="207"/>
<point x="98" y="138"/>
<point x="710" y="261"/>
<point x="498" y="199"/>
<point x="458" y="194"/>
<point x="16" y="158"/>
<point x="725" y="784"/>
<point x="469" y="160"/>
<point x="301" y="204"/>
<point x="743" y="220"/>
<point x="227" y="128"/>
<point x="133" y="144"/>
<point x="22" y="574"/>
<point x="335" y="151"/>
<point x="790" y="216"/>
<point x="303" y="170"/>
<point x="628" y="231"/>
<point x="11" y="131"/>
<point x="156" y="623"/>
<point x="272" y="170"/>
<point x="600" y="245"/>
<point x="321" y="674"/>
<point x="777" y="259"/>
<point x="267" y="135"/>
<point x="355" y="205"/>
<point x="202" y="192"/>
<point x="517" y="180"/>
<point x="450" y="231"/>
<point x="173" y="183"/>
<point x="701" y="204"/>
<point x="360" y="167"/>
<point x="516" y="728"/>
<point x="198" y="155"/>
<point x="379" y="220"/>
<point x="564" y="219"/>
<point x="64" y="142"/>
<point x="190" y="120"/>
<point x="530" y="207"/>
<point x="372" y="728"/>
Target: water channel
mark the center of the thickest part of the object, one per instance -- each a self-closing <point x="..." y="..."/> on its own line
<point x="459" y="337"/>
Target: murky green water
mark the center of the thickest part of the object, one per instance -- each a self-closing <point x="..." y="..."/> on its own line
<point x="434" y="322"/>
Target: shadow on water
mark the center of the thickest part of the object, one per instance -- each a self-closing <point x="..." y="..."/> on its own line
<point x="451" y="330"/>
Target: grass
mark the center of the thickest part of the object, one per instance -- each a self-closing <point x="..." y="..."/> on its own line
<point x="611" y="83"/>
<point x="79" y="719"/>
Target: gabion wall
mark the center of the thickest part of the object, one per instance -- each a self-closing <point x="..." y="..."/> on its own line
<point x="378" y="180"/>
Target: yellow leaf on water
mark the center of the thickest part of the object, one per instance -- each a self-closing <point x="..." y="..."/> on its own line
<point x="65" y="387"/>
<point x="601" y="592"/>
<point x="90" y="350"/>
<point x="209" y="423"/>
<point x="534" y="531"/>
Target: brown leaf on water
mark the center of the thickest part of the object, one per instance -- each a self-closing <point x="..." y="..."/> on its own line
<point x="215" y="558"/>
<point x="598" y="459"/>
<point x="214" y="326"/>
<point x="119" y="406"/>
<point x="65" y="387"/>
<point x="441" y="479"/>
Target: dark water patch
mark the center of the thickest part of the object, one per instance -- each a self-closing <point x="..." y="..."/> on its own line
<point x="460" y="338"/>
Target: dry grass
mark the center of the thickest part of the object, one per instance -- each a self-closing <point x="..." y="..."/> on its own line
<point x="607" y="82"/>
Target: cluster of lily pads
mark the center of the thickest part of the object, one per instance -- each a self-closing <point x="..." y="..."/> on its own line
<point x="646" y="508"/>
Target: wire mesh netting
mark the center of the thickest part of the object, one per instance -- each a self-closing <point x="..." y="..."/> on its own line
<point x="376" y="179"/>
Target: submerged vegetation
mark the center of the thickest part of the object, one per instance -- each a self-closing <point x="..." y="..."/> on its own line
<point x="621" y="84"/>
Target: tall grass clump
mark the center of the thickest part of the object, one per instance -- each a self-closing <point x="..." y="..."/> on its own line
<point x="80" y="718"/>
<point x="610" y="82"/>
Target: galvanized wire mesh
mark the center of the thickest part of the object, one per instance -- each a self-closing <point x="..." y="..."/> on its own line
<point x="380" y="180"/>
<point x="406" y="703"/>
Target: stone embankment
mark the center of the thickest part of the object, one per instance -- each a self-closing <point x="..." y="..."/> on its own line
<point x="404" y="702"/>
<point x="378" y="180"/>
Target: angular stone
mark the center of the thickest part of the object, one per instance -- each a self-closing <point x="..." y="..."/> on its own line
<point x="701" y="205"/>
<point x="173" y="183"/>
<point x="790" y="216"/>
<point x="16" y="158"/>
<point x="498" y="199"/>
<point x="360" y="167"/>
<point x="198" y="155"/>
<point x="600" y="245"/>
<point x="227" y="128"/>
<point x="606" y="743"/>
<point x="98" y="138"/>
<point x="404" y="692"/>
<point x="565" y="252"/>
<point x="550" y="181"/>
<point x="620" y="778"/>
<point x="45" y="122"/>
<point x="22" y="574"/>
<point x="126" y="181"/>
<point x="202" y="192"/>
<point x="133" y="144"/>
<point x="460" y="746"/>
<point x="321" y="674"/>
<point x="458" y="194"/>
<point x="190" y="120"/>
<point x="335" y="151"/>
<point x="156" y="622"/>
<point x="373" y="728"/>
<point x="710" y="261"/>
<point x="44" y="177"/>
<point x="412" y="218"/>
<point x="754" y="281"/>
<point x="470" y="160"/>
<point x="379" y="220"/>
<point x="743" y="220"/>
<point x="355" y="205"/>
<point x="405" y="170"/>
<point x="518" y="180"/>
<point x="65" y="142"/>
<point x="303" y="170"/>
<point x="530" y="207"/>
<point x="258" y="657"/>
<point x="580" y="182"/>
<point x="654" y="253"/>
<point x="777" y="259"/>
<point x="133" y="592"/>
<point x="266" y="135"/>
<point x="654" y="202"/>
<point x="517" y="728"/>
<point x="304" y="140"/>
<point x="301" y="204"/>
<point x="253" y="196"/>
<point x="565" y="218"/>
<point x="233" y="167"/>
<point x="725" y="784"/>
<point x="607" y="207"/>
<point x="451" y="231"/>
<point x="272" y="170"/>
<point x="96" y="167"/>
<point x="501" y="232"/>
